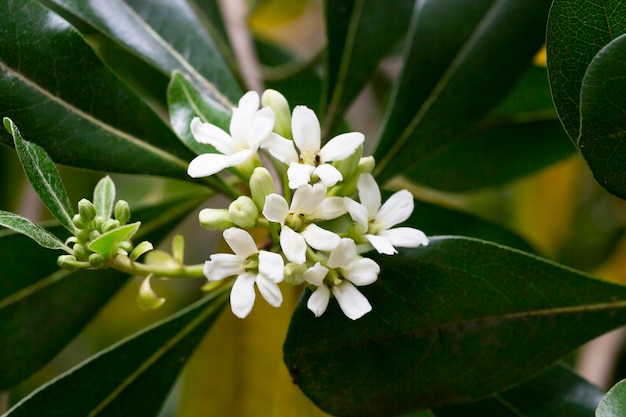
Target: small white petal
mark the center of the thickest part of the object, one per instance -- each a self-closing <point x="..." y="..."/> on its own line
<point x="271" y="265"/>
<point x="396" y="209"/>
<point x="330" y="208"/>
<point x="357" y="211"/>
<point x="381" y="244"/>
<point x="369" y="194"/>
<point x="242" y="116"/>
<point x="363" y="271"/>
<point x="223" y="265"/>
<point x="208" y="164"/>
<point x="315" y="275"/>
<point x="305" y="129"/>
<point x="212" y="135"/>
<point x="307" y="197"/>
<point x="260" y="128"/>
<point x="405" y="237"/>
<point x="280" y="148"/>
<point x="318" y="301"/>
<point x="343" y="255"/>
<point x="269" y="290"/>
<point x="293" y="245"/>
<point x="340" y="147"/>
<point x="352" y="302"/>
<point x="319" y="238"/>
<point x="240" y="242"/>
<point x="275" y="208"/>
<point x="242" y="295"/>
<point x="328" y="174"/>
<point x="299" y="174"/>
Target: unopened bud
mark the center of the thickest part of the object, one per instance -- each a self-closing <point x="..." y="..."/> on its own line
<point x="261" y="185"/>
<point x="79" y="221"/>
<point x="81" y="252"/>
<point x="98" y="222"/>
<point x="93" y="235"/>
<point x="294" y="273"/>
<point x="96" y="260"/>
<point x="215" y="219"/>
<point x="282" y="113"/>
<point x="122" y="212"/>
<point x="110" y="225"/>
<point x="86" y="210"/>
<point x="243" y="212"/>
<point x="126" y="246"/>
<point x="69" y="263"/>
<point x="82" y="235"/>
<point x="366" y="165"/>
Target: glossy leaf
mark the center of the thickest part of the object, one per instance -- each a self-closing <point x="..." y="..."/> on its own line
<point x="37" y="233"/>
<point x="65" y="100"/>
<point x="576" y="32"/>
<point x="614" y="403"/>
<point x="104" y="197"/>
<point x="461" y="59"/>
<point x="43" y="176"/>
<point x="360" y="33"/>
<point x="602" y="109"/>
<point x="446" y="320"/>
<point x="133" y="376"/>
<point x="107" y="243"/>
<point x="39" y="314"/>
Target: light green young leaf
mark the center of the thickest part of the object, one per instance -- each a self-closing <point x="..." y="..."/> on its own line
<point x="26" y="227"/>
<point x="107" y="243"/>
<point x="614" y="403"/>
<point x="104" y="197"/>
<point x="43" y="175"/>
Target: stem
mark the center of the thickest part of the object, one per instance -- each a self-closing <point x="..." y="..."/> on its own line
<point x="124" y="264"/>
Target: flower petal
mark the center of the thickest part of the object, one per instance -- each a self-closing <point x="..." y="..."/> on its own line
<point x="330" y="208"/>
<point x="212" y="135"/>
<point x="352" y="302"/>
<point x="275" y="208"/>
<point x="271" y="265"/>
<point x="242" y="295"/>
<point x="318" y="301"/>
<point x="280" y="148"/>
<point x="343" y="255"/>
<point x="315" y="275"/>
<point x="306" y="198"/>
<point x="381" y="244"/>
<point x="341" y="146"/>
<point x="299" y="174"/>
<point x="369" y="194"/>
<point x="357" y="211"/>
<point x="260" y="128"/>
<point x="319" y="238"/>
<point x="269" y="290"/>
<point x="396" y="209"/>
<point x="293" y="245"/>
<point x="363" y="271"/>
<point x="223" y="265"/>
<point x="242" y="115"/>
<point x="306" y="129"/>
<point x="328" y="174"/>
<point x="240" y="242"/>
<point x="405" y="237"/>
<point x="208" y="164"/>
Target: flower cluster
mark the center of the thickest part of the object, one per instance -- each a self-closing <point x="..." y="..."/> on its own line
<point x="321" y="205"/>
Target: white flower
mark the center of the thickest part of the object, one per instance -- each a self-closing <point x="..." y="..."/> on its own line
<point x="350" y="270"/>
<point x="376" y="221"/>
<point x="311" y="160"/>
<point x="249" y="265"/>
<point x="249" y="126"/>
<point x="309" y="203"/>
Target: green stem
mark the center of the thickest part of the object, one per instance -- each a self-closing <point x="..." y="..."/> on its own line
<point x="124" y="264"/>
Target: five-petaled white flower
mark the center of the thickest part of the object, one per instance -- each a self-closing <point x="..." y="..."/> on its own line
<point x="249" y="265"/>
<point x="249" y="126"/>
<point x="312" y="160"/>
<point x="343" y="270"/>
<point x="309" y="203"/>
<point x="375" y="221"/>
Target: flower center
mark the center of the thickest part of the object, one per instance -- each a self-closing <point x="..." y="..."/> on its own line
<point x="295" y="221"/>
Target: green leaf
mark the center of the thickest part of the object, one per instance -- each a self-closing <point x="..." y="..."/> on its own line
<point x="69" y="103"/>
<point x="26" y="227"/>
<point x="107" y="243"/>
<point x="104" y="197"/>
<point x="39" y="314"/>
<point x="460" y="60"/>
<point x="360" y="33"/>
<point x="603" y="125"/>
<point x="614" y="403"/>
<point x="452" y="322"/>
<point x="133" y="376"/>
<point x="43" y="176"/>
<point x="557" y="391"/>
<point x="577" y="30"/>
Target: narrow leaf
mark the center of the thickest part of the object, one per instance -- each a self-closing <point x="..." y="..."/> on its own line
<point x="447" y="319"/>
<point x="43" y="176"/>
<point x="104" y="197"/>
<point x="614" y="403"/>
<point x="107" y="243"/>
<point x="26" y="227"/>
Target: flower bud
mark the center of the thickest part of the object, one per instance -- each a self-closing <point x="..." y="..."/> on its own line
<point x="93" y="235"/>
<point x="261" y="185"/>
<point x="366" y="165"/>
<point x="81" y="252"/>
<point x="294" y="273"/>
<point x="79" y="221"/>
<point x="215" y="219"/>
<point x="126" y="246"/>
<point x="82" y="235"/>
<point x="282" y="113"/>
<point x="243" y="212"/>
<point x="86" y="210"/>
<point x="69" y="262"/>
<point x="96" y="260"/>
<point x="98" y="222"/>
<point x="110" y="225"/>
<point x="122" y="212"/>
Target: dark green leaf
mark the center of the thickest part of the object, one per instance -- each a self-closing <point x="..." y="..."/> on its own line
<point x="30" y="229"/>
<point x="452" y="322"/>
<point x="132" y="377"/>
<point x="577" y="30"/>
<point x="614" y="403"/>
<point x="65" y="100"/>
<point x="603" y="122"/>
<point x="461" y="59"/>
<point x="104" y="197"/>
<point x="43" y="176"/>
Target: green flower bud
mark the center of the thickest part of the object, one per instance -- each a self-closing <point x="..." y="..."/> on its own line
<point x="110" y="225"/>
<point x="126" y="246"/>
<point x="86" y="210"/>
<point x="96" y="260"/>
<point x="122" y="212"/>
<point x="93" y="235"/>
<point x="215" y="219"/>
<point x="81" y="252"/>
<point x="366" y="165"/>
<point x="294" y="273"/>
<point x="261" y="185"/>
<point x="82" y="235"/>
<point x="98" y="222"/>
<point x="79" y="221"/>
<point x="282" y="113"/>
<point x="69" y="263"/>
<point x="243" y="212"/>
